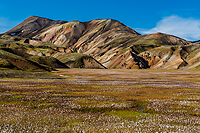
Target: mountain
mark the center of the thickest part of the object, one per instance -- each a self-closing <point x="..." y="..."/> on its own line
<point x="32" y="26"/>
<point x="76" y="60"/>
<point x="107" y="42"/>
<point x="17" y="53"/>
<point x="14" y="55"/>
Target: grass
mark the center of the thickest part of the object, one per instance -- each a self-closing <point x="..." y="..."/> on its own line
<point x="5" y="64"/>
<point x="126" y="113"/>
<point x="115" y="43"/>
<point x="5" y="54"/>
<point x="6" y="73"/>
<point x="124" y="50"/>
<point x="49" y="45"/>
<point x="76" y="58"/>
<point x="14" y="55"/>
<point x="72" y="57"/>
<point x="193" y="53"/>
<point x="47" y="61"/>
<point x="91" y="100"/>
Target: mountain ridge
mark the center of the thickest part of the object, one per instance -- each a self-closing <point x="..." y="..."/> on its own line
<point x="32" y="23"/>
<point x="109" y="42"/>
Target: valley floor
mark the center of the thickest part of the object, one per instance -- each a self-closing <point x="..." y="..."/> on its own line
<point x="98" y="100"/>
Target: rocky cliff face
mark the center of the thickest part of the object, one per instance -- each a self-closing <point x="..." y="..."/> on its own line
<point x="108" y="42"/>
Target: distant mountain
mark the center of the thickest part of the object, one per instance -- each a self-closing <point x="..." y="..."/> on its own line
<point x="107" y="42"/>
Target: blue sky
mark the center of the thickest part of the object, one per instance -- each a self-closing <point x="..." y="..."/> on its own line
<point x="177" y="17"/>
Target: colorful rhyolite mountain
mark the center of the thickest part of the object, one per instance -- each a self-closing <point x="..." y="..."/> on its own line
<point x="103" y="43"/>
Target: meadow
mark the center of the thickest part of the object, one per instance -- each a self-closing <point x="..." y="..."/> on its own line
<point x="100" y="100"/>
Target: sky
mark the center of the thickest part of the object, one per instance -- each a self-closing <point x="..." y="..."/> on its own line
<point x="176" y="17"/>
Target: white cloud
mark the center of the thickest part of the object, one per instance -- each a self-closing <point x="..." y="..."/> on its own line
<point x="6" y="24"/>
<point x="186" y="28"/>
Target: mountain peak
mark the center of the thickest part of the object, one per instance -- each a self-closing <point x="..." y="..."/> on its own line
<point x="32" y="26"/>
<point x="36" y="17"/>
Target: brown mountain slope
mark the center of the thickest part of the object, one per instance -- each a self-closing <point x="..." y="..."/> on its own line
<point x="113" y="44"/>
<point x="14" y="55"/>
<point x="40" y="53"/>
<point x="95" y="38"/>
<point x="32" y="26"/>
<point x="139" y="44"/>
<point x="77" y="34"/>
<point x="105" y="40"/>
<point x="76" y="60"/>
<point x="173" y="57"/>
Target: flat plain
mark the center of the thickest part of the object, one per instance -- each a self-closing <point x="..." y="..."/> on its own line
<point x="98" y="100"/>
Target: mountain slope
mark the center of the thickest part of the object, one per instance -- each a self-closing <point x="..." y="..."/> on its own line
<point x="14" y="55"/>
<point x="105" y="40"/>
<point x="32" y="26"/>
<point x="108" y="42"/>
<point x="76" y="60"/>
<point x="89" y="37"/>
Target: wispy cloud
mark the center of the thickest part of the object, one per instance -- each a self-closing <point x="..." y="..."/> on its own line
<point x="6" y="24"/>
<point x="187" y="28"/>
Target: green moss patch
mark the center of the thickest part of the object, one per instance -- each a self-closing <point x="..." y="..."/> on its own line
<point x="127" y="113"/>
<point x="5" y="73"/>
<point x="193" y="53"/>
<point x="76" y="58"/>
<point x="48" y="61"/>
<point x="115" y="43"/>
<point x="6" y="64"/>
